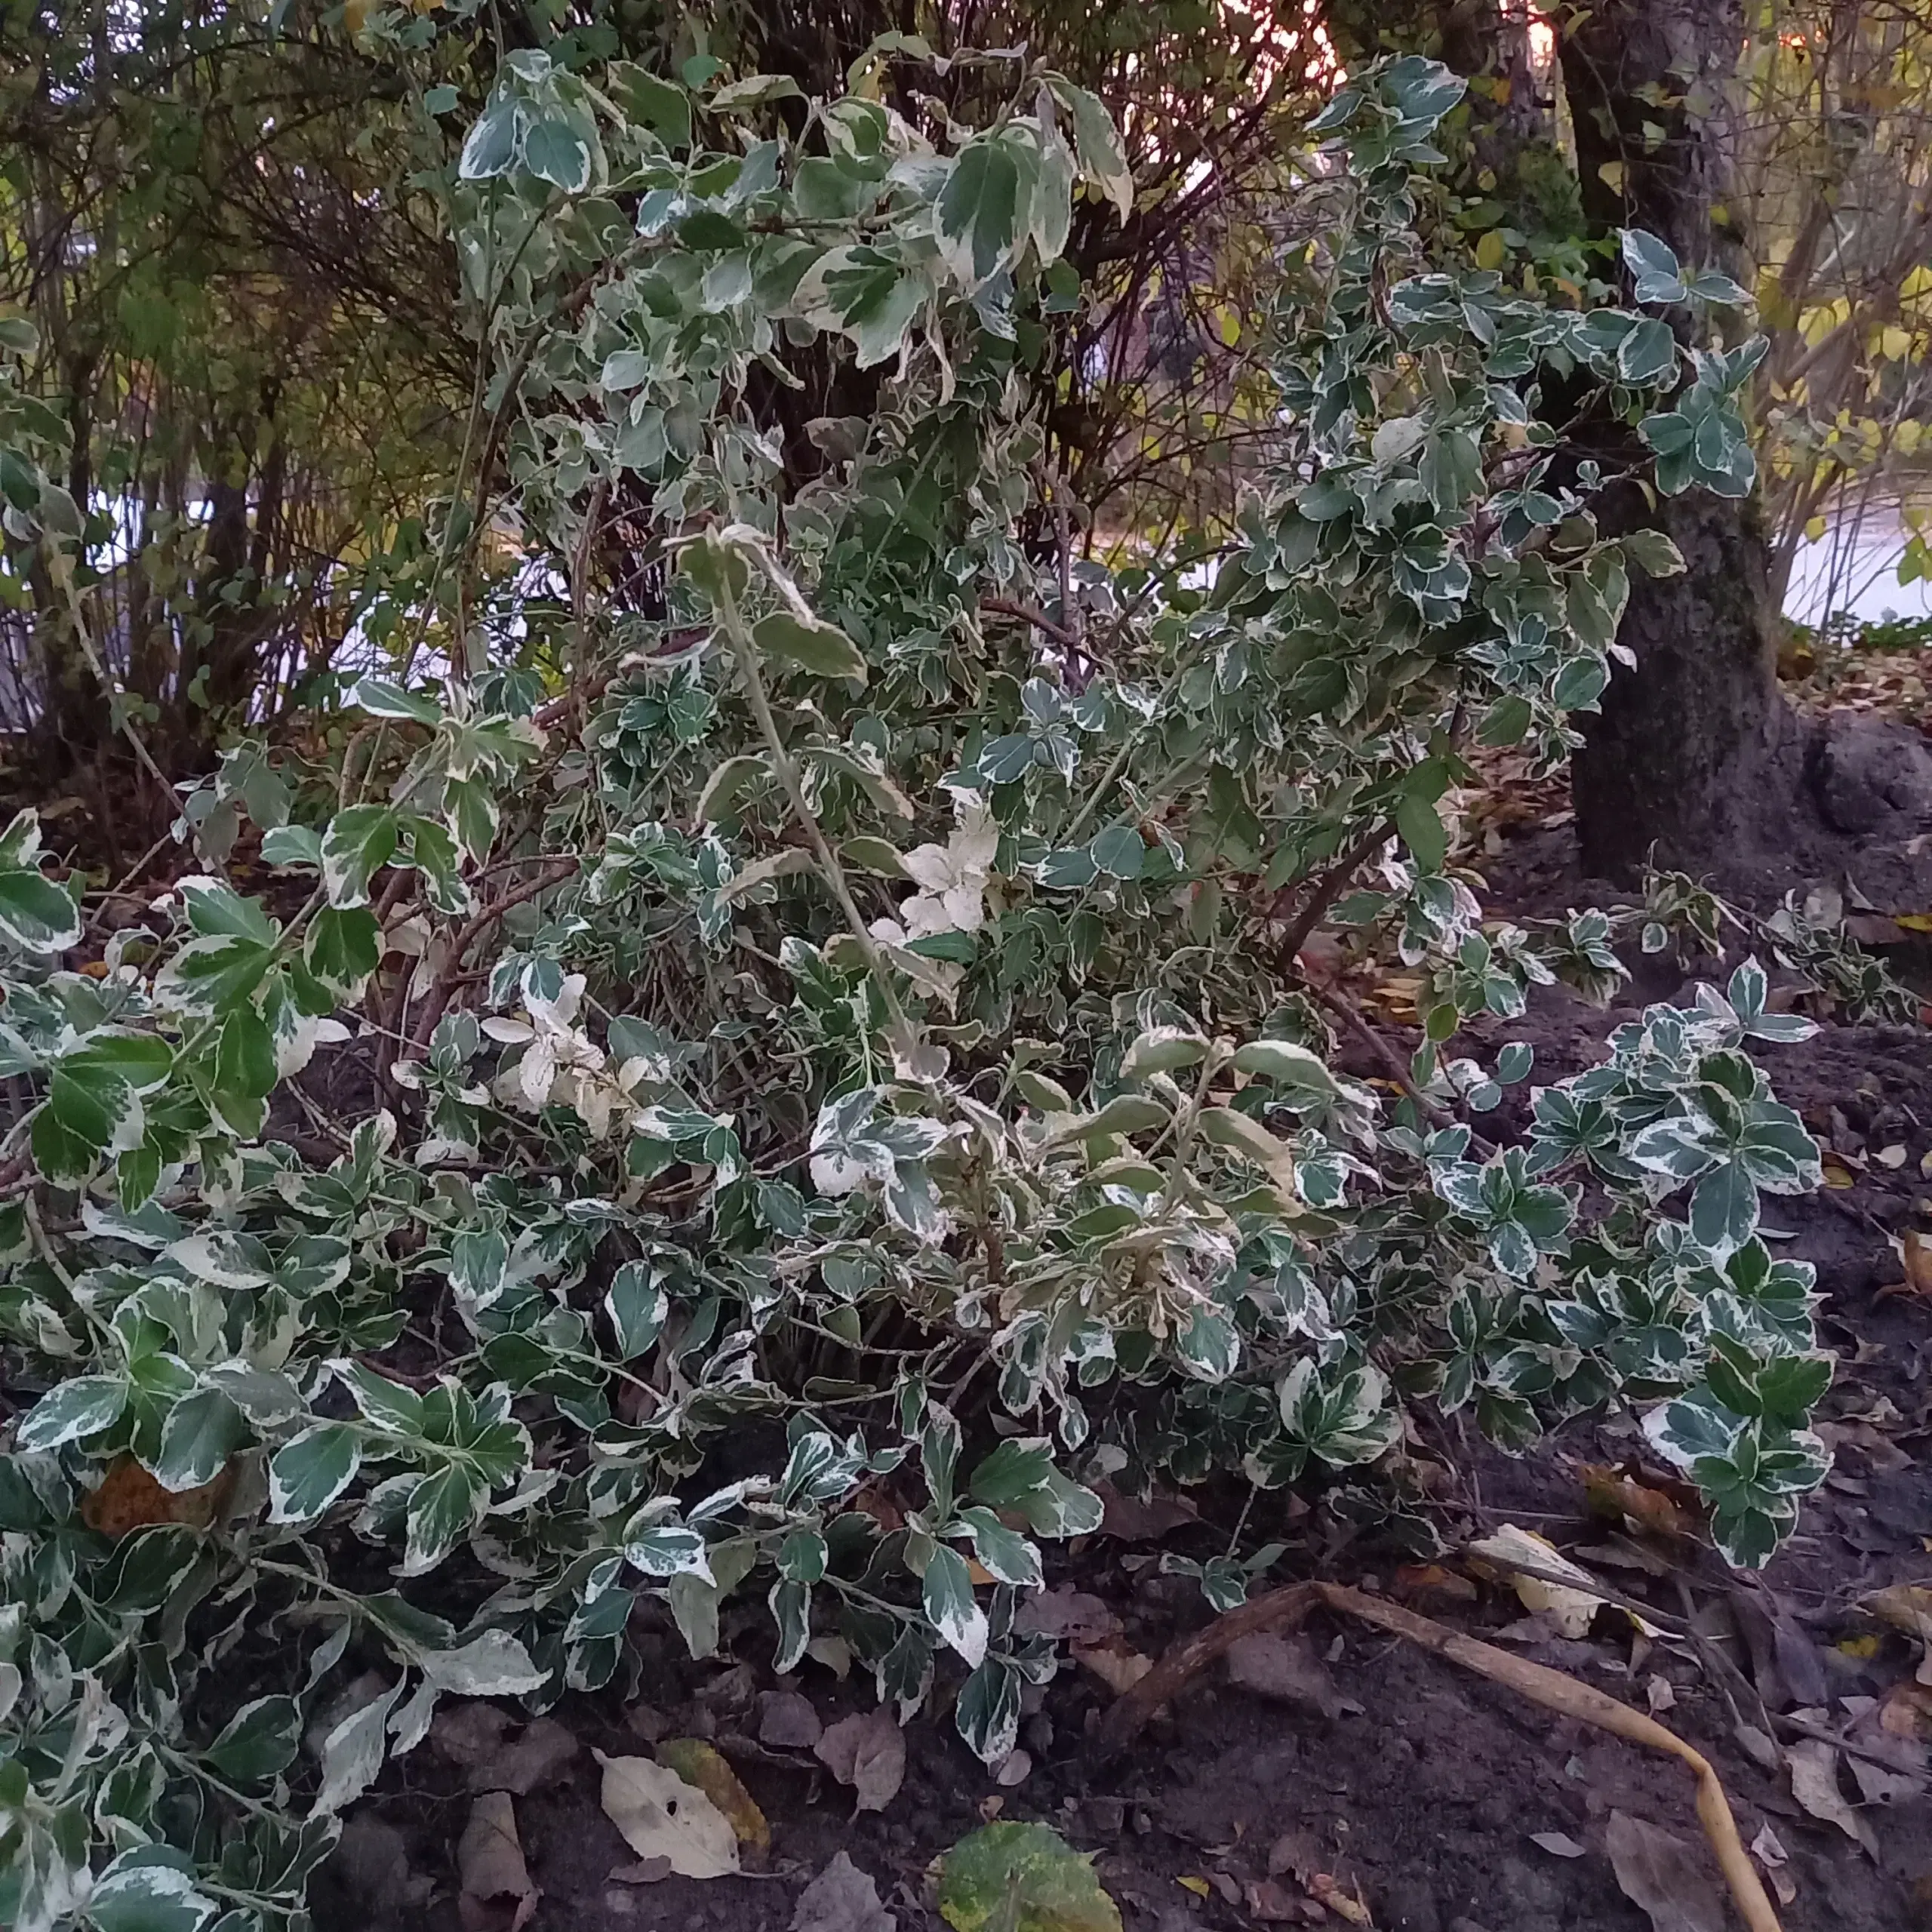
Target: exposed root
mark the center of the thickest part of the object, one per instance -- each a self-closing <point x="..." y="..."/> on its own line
<point x="1550" y="1688"/>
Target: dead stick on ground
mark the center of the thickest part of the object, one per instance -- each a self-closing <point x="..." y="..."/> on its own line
<point x="1186" y="1660"/>
<point x="1550" y="1688"/>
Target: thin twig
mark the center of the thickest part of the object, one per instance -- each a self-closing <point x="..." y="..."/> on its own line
<point x="1331" y="885"/>
<point x="1031" y="613"/>
<point x="436" y="1002"/>
<point x="746" y="650"/>
<point x="1357" y="1021"/>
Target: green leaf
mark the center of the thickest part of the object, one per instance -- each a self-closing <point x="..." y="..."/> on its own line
<point x="1005" y="1555"/>
<point x="668" y="1549"/>
<point x="1422" y="832"/>
<point x="987" y="1715"/>
<point x="1120" y="852"/>
<point x="1162" y="1050"/>
<point x="755" y="91"/>
<point x="143" y="1891"/>
<point x="1648" y="356"/>
<point x="292" y="845"/>
<point x="1021" y="1877"/>
<point x="1225" y="1127"/>
<point x="244" y="1060"/>
<point x="307" y="1475"/>
<point x="381" y="699"/>
<point x="1103" y="156"/>
<point x="982" y="211"/>
<point x="357" y="845"/>
<point x="1653" y="552"/>
<point x="73" y="1410"/>
<point x="201" y="1433"/>
<point x="344" y="947"/>
<point x="36" y="915"/>
<point x="1297" y="1068"/>
<point x="662" y="106"/>
<point x="490" y="149"/>
<point x="638" y="1306"/>
<point x="443" y="1508"/>
<point x="1654" y="268"/>
<point x="260" y="1739"/>
<point x="808" y="644"/>
<point x="555" y="151"/>
<point x="863" y="294"/>
<point x="946" y="1590"/>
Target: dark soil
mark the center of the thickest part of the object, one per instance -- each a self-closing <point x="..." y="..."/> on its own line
<point x="1421" y="1794"/>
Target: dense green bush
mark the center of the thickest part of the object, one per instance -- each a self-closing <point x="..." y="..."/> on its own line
<point x="779" y="1105"/>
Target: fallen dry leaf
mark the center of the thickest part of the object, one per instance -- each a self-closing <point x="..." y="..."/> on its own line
<point x="1198" y="1887"/>
<point x="1664" y="1875"/>
<point x="1115" y="1663"/>
<point x="700" y="1764"/>
<point x="1914" y="1249"/>
<point x="1013" y="1769"/>
<point x="1270" y="1906"/>
<point x="1287" y="1669"/>
<point x="833" y="1652"/>
<point x="788" y="1718"/>
<point x="842" y="1899"/>
<point x="1558" y="1844"/>
<point x="1134" y="1519"/>
<point x="866" y="1751"/>
<point x="645" y="1871"/>
<point x="1416" y="1582"/>
<point x="662" y="1816"/>
<point x="1907" y="1606"/>
<point x="1876" y="1785"/>
<point x="1659" y="1693"/>
<point x="470" y="1733"/>
<point x="647" y="1721"/>
<point x="1323" y="1886"/>
<point x="1615" y="1493"/>
<point x="1771" y="1854"/>
<point x="1570" y="1605"/>
<point x="544" y="1748"/>
<point x="496" y="1894"/>
<point x="1813" y="1765"/>
<point x="1069" y="1613"/>
<point x="128" y="1498"/>
<point x="1907" y="1712"/>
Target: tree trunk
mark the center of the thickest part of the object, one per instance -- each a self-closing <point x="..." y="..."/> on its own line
<point x="1680" y="753"/>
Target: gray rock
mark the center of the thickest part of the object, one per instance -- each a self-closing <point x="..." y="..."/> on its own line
<point x="1874" y="775"/>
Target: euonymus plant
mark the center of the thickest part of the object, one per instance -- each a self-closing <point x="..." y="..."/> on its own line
<point x="775" y="1057"/>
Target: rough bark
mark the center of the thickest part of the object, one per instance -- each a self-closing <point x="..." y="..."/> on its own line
<point x="1685" y="737"/>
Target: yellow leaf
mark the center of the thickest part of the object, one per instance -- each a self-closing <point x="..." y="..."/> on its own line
<point x="1814" y="528"/>
<point x="1611" y="173"/>
<point x="1199" y="1888"/>
<point x="1492" y="250"/>
<point x="1861" y="1646"/>
<point x="1913" y="922"/>
<point x="1838" y="1175"/>
<point x="701" y="1767"/>
<point x="1895" y="344"/>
